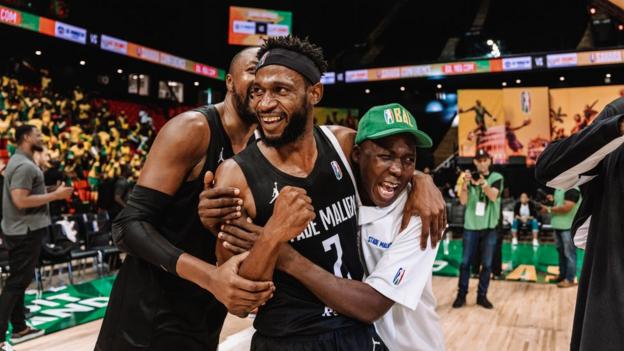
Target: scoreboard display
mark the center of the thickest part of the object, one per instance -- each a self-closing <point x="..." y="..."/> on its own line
<point x="249" y="26"/>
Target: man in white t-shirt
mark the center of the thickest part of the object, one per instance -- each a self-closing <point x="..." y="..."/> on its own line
<point x="397" y="292"/>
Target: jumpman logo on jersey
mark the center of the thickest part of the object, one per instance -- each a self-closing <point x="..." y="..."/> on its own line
<point x="220" y="156"/>
<point x="275" y="193"/>
<point x="375" y="343"/>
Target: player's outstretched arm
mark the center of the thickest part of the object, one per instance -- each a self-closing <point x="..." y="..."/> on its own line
<point x="400" y="276"/>
<point x="351" y="298"/>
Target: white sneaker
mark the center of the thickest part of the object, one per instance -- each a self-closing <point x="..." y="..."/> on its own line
<point x="535" y="242"/>
<point x="26" y="334"/>
<point x="514" y="241"/>
<point x="5" y="346"/>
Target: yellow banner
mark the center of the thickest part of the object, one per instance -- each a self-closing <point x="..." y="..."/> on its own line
<point x="481" y="123"/>
<point x="572" y="109"/>
<point x="527" y="126"/>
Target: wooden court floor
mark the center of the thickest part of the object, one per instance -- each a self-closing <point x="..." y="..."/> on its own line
<point x="526" y="317"/>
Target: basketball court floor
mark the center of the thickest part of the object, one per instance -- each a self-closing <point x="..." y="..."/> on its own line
<point x="527" y="316"/>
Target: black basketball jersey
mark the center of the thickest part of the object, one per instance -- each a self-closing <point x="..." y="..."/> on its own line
<point x="182" y="225"/>
<point x="149" y="306"/>
<point x="330" y="241"/>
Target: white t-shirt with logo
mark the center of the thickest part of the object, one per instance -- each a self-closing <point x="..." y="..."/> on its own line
<point x="398" y="269"/>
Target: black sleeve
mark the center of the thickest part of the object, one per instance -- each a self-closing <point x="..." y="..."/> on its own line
<point x="517" y="209"/>
<point x="572" y="195"/>
<point x="135" y="229"/>
<point x="532" y="209"/>
<point x="120" y="187"/>
<point x="497" y="184"/>
<point x="561" y="156"/>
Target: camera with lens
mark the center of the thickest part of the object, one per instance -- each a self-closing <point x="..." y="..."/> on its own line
<point x="475" y="175"/>
<point x="541" y="198"/>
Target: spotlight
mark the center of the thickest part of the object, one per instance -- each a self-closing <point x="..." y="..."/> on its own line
<point x="439" y="86"/>
<point x="196" y="84"/>
<point x="38" y="52"/>
<point x="592" y="11"/>
<point x="119" y="70"/>
<point x="141" y="76"/>
<point x="402" y="88"/>
<point x="490" y="42"/>
<point x="518" y="81"/>
<point x="562" y="78"/>
<point x="83" y="62"/>
<point x="620" y="26"/>
<point x="608" y="75"/>
<point x="504" y="84"/>
<point x="367" y="91"/>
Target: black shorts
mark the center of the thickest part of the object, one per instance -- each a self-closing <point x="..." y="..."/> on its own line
<point x="359" y="338"/>
<point x="150" y="309"/>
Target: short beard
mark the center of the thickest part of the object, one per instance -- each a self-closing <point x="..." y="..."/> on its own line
<point x="293" y="131"/>
<point x="241" y="105"/>
<point x="36" y="148"/>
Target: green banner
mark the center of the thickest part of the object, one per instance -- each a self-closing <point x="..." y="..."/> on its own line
<point x="522" y="262"/>
<point x="30" y="21"/>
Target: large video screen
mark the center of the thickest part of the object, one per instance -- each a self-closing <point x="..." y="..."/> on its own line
<point x="249" y="26"/>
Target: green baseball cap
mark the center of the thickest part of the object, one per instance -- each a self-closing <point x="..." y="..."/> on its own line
<point x="386" y="120"/>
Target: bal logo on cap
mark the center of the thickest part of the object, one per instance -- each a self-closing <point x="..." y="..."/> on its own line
<point x="388" y="116"/>
<point x="397" y="115"/>
<point x="391" y="119"/>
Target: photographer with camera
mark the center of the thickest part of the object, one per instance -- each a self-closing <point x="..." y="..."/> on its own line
<point x="481" y="194"/>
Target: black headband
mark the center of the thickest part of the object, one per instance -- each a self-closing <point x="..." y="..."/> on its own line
<point x="293" y="60"/>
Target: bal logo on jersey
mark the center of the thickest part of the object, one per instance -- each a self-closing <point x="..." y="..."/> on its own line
<point x="337" y="170"/>
<point x="398" y="277"/>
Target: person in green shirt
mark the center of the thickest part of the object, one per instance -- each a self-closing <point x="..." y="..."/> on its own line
<point x="565" y="206"/>
<point x="482" y="198"/>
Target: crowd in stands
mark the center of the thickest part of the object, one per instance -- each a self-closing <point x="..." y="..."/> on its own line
<point x="92" y="144"/>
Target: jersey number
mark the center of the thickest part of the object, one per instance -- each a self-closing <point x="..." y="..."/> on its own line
<point x="327" y="245"/>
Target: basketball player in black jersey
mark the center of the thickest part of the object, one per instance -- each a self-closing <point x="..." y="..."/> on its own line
<point x="294" y="153"/>
<point x="168" y="294"/>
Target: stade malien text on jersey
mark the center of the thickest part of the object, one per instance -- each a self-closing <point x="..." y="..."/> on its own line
<point x="330" y="217"/>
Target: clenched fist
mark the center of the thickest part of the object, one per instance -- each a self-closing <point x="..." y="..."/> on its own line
<point x="292" y="213"/>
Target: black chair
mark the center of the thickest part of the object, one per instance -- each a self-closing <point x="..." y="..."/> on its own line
<point x="99" y="238"/>
<point x="56" y="249"/>
<point x="83" y="252"/>
<point x="456" y="215"/>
